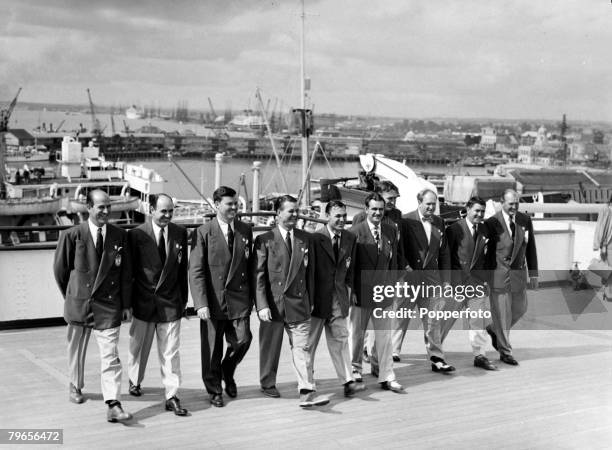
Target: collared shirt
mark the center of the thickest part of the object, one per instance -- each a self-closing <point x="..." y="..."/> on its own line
<point x="284" y="232"/>
<point x="375" y="227"/>
<point x="332" y="234"/>
<point x="426" y="225"/>
<point x="224" y="228"/>
<point x="507" y="220"/>
<point x="471" y="226"/>
<point x="93" y="230"/>
<point x="156" y="232"/>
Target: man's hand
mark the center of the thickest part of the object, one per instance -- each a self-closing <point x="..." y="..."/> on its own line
<point x="353" y="299"/>
<point x="408" y="268"/>
<point x="265" y="315"/>
<point x="533" y="282"/>
<point x="203" y="313"/>
<point x="127" y="315"/>
<point x="603" y="253"/>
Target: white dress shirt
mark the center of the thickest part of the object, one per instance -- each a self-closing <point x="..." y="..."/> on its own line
<point x="426" y="225"/>
<point x="224" y="228"/>
<point x="156" y="232"/>
<point x="93" y="230"/>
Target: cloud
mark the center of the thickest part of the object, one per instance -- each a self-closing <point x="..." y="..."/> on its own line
<point x="440" y="57"/>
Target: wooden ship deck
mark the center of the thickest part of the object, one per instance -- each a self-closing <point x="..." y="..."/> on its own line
<point x="559" y="397"/>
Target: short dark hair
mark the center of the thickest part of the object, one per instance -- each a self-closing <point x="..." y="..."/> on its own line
<point x="278" y="203"/>
<point x="475" y="201"/>
<point x="223" y="191"/>
<point x="373" y="196"/>
<point x="333" y="204"/>
<point x="153" y="198"/>
<point x="386" y="186"/>
<point x="424" y="192"/>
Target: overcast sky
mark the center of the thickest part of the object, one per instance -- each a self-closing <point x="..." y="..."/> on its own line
<point x="405" y="58"/>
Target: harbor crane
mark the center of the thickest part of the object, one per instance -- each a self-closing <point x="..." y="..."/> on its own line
<point x="95" y="123"/>
<point x="5" y="114"/>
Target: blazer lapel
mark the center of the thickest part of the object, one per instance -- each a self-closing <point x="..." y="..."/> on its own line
<point x="297" y="254"/>
<point x="370" y="243"/>
<point x="478" y="246"/>
<point x="327" y="244"/>
<point x="239" y="246"/>
<point x="434" y="244"/>
<point x="343" y="250"/>
<point x="110" y="253"/>
<point x="171" y="255"/>
<point x="519" y="235"/>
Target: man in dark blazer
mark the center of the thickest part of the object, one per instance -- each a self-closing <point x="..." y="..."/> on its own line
<point x="375" y="257"/>
<point x="393" y="217"/>
<point x="93" y="271"/>
<point x="222" y="295"/>
<point x="284" y="289"/>
<point x="158" y="250"/>
<point x="467" y="242"/>
<point x="427" y="261"/>
<point x="511" y="257"/>
<point x="334" y="275"/>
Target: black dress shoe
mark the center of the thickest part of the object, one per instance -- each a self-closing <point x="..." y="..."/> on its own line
<point x="375" y="372"/>
<point x="493" y="337"/>
<point x="392" y="386"/>
<point x="509" y="359"/>
<point x="135" y="389"/>
<point x="173" y="404"/>
<point x="230" y="388"/>
<point x="396" y="358"/>
<point x="439" y="365"/>
<point x="217" y="400"/>
<point x="75" y="395"/>
<point x="483" y="362"/>
<point x="351" y="388"/>
<point x="116" y="413"/>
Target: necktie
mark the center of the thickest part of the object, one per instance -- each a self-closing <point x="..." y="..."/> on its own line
<point x="99" y="244"/>
<point x="377" y="238"/>
<point x="512" y="227"/>
<point x="230" y="239"/>
<point x="161" y="246"/>
<point x="475" y="232"/>
<point x="288" y="242"/>
<point x="335" y="243"/>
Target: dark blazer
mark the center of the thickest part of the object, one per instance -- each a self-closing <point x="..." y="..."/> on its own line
<point x="95" y="294"/>
<point x="507" y="259"/>
<point x="159" y="293"/>
<point x="467" y="257"/>
<point x="392" y="217"/>
<point x="283" y="284"/>
<point x="333" y="277"/>
<point x="433" y="257"/>
<point x="219" y="280"/>
<point x="372" y="268"/>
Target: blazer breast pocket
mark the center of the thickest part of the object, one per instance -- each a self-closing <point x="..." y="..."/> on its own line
<point x="80" y="257"/>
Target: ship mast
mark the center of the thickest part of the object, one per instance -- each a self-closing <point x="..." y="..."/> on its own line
<point x="304" y="127"/>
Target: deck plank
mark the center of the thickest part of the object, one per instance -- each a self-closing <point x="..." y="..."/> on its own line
<point x="560" y="396"/>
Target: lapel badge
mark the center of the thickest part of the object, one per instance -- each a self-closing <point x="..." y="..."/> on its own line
<point x="305" y="251"/>
<point x="180" y="256"/>
<point x="118" y="256"/>
<point x="348" y="262"/>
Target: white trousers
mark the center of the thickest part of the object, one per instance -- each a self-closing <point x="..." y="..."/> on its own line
<point x="336" y="334"/>
<point x="168" y="342"/>
<point x="381" y="357"/>
<point x="110" y="364"/>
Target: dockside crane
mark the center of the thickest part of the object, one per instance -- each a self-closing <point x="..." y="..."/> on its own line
<point x="5" y="114"/>
<point x="96" y="129"/>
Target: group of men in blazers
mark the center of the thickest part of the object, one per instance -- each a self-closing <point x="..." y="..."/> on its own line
<point x="302" y="283"/>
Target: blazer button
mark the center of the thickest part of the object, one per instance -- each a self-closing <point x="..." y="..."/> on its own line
<point x="279" y="283"/>
<point x="87" y="285"/>
<point x="110" y="296"/>
<point x="242" y="274"/>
